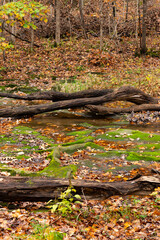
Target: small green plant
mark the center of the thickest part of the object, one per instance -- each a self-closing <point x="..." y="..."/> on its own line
<point x="65" y="203"/>
<point x="42" y="232"/>
<point x="4" y="45"/>
<point x="80" y="68"/>
<point x="156" y="196"/>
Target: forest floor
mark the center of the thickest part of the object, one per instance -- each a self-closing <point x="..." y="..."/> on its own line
<point x="77" y="65"/>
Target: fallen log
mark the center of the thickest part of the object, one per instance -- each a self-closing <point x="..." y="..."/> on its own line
<point x="140" y="97"/>
<point x="58" y="96"/>
<point x="106" y="111"/>
<point x="126" y="93"/>
<point x="44" y="189"/>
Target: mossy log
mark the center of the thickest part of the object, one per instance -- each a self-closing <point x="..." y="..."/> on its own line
<point x="106" y="111"/>
<point x="44" y="189"/>
<point x="126" y="93"/>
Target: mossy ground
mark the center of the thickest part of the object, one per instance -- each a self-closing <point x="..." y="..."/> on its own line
<point x="25" y="141"/>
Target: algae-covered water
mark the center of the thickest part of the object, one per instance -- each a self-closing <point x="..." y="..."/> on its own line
<point x="55" y="144"/>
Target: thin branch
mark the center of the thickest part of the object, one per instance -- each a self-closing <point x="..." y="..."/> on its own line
<point x="22" y="39"/>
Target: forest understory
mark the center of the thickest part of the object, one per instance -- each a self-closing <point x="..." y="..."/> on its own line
<point x="77" y="64"/>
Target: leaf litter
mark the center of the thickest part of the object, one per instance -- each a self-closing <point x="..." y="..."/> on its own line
<point x="130" y="217"/>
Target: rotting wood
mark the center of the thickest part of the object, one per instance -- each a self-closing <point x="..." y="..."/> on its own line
<point x="106" y="111"/>
<point x="126" y="93"/>
<point x="44" y="189"/>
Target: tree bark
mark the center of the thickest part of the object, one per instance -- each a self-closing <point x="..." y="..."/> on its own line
<point x="105" y="111"/>
<point x="143" y="47"/>
<point x="126" y="93"/>
<point x="57" y="3"/>
<point x="58" y="96"/>
<point x="101" y="24"/>
<point x="127" y="10"/>
<point x="44" y="189"/>
<point x="82" y="17"/>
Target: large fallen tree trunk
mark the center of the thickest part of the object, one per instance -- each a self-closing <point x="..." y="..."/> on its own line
<point x="58" y="96"/>
<point x="140" y="98"/>
<point x="44" y="189"/>
<point x="105" y="111"/>
<point x="122" y="94"/>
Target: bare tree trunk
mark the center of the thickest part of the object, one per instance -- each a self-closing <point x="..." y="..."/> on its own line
<point x="127" y="10"/>
<point x="137" y="17"/>
<point x="114" y="19"/>
<point x="13" y="30"/>
<point x="101" y="25"/>
<point x="143" y="46"/>
<point x="69" y="18"/>
<point x="82" y="17"/>
<point x="139" y="24"/>
<point x="58" y="31"/>
<point x="2" y="31"/>
<point x="32" y="38"/>
<point x="2" y="35"/>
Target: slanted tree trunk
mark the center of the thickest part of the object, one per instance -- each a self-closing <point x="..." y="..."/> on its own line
<point x="45" y="189"/>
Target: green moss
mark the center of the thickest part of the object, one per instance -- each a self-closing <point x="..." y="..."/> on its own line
<point x="127" y="134"/>
<point x="94" y="146"/>
<point x="147" y="147"/>
<point x="8" y="140"/>
<point x="146" y="156"/>
<point x="87" y="125"/>
<point x="14" y="171"/>
<point x="82" y="140"/>
<point x="71" y="149"/>
<point x="24" y="130"/>
<point x="80" y="134"/>
<point x="145" y="136"/>
<point x="54" y="169"/>
<point x="109" y="154"/>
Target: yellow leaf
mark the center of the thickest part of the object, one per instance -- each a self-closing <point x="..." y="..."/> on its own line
<point x="127" y="224"/>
